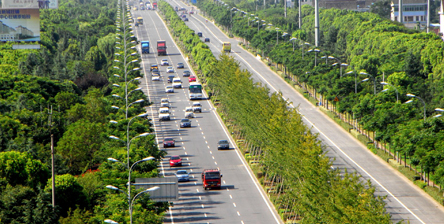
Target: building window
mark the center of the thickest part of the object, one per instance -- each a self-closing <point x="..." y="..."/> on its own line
<point x="417" y="18"/>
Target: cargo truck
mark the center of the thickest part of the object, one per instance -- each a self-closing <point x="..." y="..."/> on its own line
<point x="145" y="47"/>
<point x="154" y="5"/>
<point x="211" y="178"/>
<point x="161" y="48"/>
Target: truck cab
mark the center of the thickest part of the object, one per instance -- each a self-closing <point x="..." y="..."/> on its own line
<point x="211" y="178"/>
<point x="145" y="47"/>
<point x="161" y="48"/>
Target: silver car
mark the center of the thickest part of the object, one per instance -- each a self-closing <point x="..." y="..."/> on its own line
<point x="223" y="144"/>
<point x="182" y="175"/>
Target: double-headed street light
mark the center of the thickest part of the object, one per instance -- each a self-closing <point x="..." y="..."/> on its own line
<point x="340" y="66"/>
<point x="439" y="110"/>
<point x="130" y="202"/>
<point x="423" y="102"/>
<point x="356" y="82"/>
<point x="388" y="84"/>
<point x="316" y="54"/>
<point x="371" y="76"/>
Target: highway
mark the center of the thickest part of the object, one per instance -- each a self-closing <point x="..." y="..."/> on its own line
<point x="405" y="201"/>
<point x="240" y="199"/>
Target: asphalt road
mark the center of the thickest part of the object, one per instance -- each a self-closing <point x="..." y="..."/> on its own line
<point x="405" y="201"/>
<point x="240" y="200"/>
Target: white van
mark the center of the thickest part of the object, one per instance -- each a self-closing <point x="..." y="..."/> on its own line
<point x="164" y="102"/>
<point x="177" y="83"/>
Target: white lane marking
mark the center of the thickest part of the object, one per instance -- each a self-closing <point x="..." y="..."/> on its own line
<point x="215" y="163"/>
<point x="200" y="198"/>
<point x="204" y="137"/>
<point x="205" y="214"/>
<point x="197" y="190"/>
<point x="213" y="157"/>
<point x="231" y="197"/>
<point x="202" y="132"/>
<point x="242" y="222"/>
<point x="208" y="146"/>
<point x="238" y="214"/>
<point x="234" y="204"/>
<point x="203" y="206"/>
<point x="223" y="181"/>
<point x="186" y="154"/>
<point x="206" y="142"/>
<point x="211" y="152"/>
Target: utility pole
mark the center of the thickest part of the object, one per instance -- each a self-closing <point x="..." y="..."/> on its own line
<point x="401" y="17"/>
<point x="316" y="24"/>
<point x="300" y="17"/>
<point x="285" y="11"/>
<point x="52" y="157"/>
<point x="428" y="16"/>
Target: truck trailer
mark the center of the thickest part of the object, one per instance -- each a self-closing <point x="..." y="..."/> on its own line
<point x="161" y="47"/>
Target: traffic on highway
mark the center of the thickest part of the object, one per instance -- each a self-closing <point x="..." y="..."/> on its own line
<point x="215" y="186"/>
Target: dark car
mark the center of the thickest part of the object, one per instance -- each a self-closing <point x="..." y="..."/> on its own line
<point x="155" y="71"/>
<point x="199" y="34"/>
<point x="223" y="144"/>
<point x="186" y="73"/>
<point x="180" y="65"/>
<point x="207" y="39"/>
<point x="184" y="16"/>
<point x="168" y="142"/>
<point x="170" y="78"/>
<point x="185" y="19"/>
<point x="185" y="123"/>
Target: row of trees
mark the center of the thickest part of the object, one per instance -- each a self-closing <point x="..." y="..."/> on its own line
<point x="410" y="60"/>
<point x="64" y="89"/>
<point x="292" y="159"/>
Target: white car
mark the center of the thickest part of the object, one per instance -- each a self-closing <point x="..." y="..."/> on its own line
<point x="164" y="62"/>
<point x="170" y="69"/>
<point x="164" y="102"/>
<point x="189" y="112"/>
<point x="169" y="89"/>
<point x="197" y="107"/>
<point x="164" y="114"/>
<point x="182" y="175"/>
<point x="155" y="77"/>
<point x="177" y="83"/>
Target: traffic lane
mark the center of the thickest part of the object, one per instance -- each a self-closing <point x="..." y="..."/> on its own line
<point x="244" y="178"/>
<point x="285" y="94"/>
<point x="175" y="113"/>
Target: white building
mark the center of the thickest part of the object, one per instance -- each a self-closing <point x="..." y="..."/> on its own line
<point x="413" y="12"/>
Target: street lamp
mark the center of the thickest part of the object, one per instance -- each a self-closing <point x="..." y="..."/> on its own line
<point x="356" y="82"/>
<point x="423" y="102"/>
<point x="131" y="202"/>
<point x="303" y="48"/>
<point x="439" y="110"/>
<point x="385" y="83"/>
<point x="316" y="53"/>
<point x="292" y="40"/>
<point x="374" y="80"/>
<point x="340" y="65"/>
<point x="277" y="35"/>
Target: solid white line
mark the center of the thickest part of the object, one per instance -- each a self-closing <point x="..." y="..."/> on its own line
<point x="171" y="215"/>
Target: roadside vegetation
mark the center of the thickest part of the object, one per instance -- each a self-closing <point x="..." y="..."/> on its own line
<point x="411" y="61"/>
<point x="65" y="90"/>
<point x="292" y="165"/>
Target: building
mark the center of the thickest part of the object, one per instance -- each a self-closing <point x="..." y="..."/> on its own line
<point x="357" y="5"/>
<point x="414" y="12"/>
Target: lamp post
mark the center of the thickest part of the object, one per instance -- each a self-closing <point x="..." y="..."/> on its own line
<point x="374" y="80"/>
<point x="340" y="65"/>
<point x="423" y="102"/>
<point x="292" y="40"/>
<point x="396" y="90"/>
<point x="316" y="53"/>
<point x="277" y="35"/>
<point x="439" y="110"/>
<point x="131" y="201"/>
<point x="356" y="82"/>
<point x="303" y="46"/>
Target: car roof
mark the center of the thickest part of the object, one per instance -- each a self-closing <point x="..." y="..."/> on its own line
<point x="185" y="119"/>
<point x="168" y="139"/>
<point x="196" y="103"/>
<point x="223" y="140"/>
<point x="182" y="171"/>
<point x="169" y="87"/>
<point x="164" y="59"/>
<point x="180" y="63"/>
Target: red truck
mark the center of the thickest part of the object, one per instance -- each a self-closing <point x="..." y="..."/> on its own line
<point x="161" y="48"/>
<point x="211" y="178"/>
<point x="154" y="5"/>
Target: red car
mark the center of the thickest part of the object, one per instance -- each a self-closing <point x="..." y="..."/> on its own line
<point x="192" y="78"/>
<point x="168" y="142"/>
<point x="175" y="161"/>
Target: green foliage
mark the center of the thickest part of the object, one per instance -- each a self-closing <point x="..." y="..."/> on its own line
<point x="69" y="193"/>
<point x="20" y="169"/>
